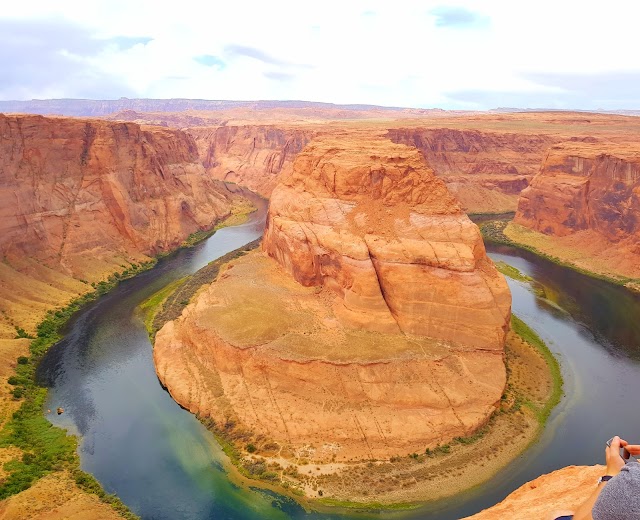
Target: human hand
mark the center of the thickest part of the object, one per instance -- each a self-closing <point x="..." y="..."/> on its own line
<point x="612" y="454"/>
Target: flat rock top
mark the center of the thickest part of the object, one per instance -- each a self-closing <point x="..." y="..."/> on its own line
<point x="258" y="304"/>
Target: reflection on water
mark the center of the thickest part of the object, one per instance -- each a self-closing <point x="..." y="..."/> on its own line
<point x="164" y="465"/>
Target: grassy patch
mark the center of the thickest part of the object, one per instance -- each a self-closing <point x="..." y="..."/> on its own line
<point x="529" y="335"/>
<point x="171" y="305"/>
<point x="512" y="272"/>
<point x="47" y="448"/>
<point x="368" y="506"/>
<point x="152" y="305"/>
<point x="493" y="232"/>
<point x="240" y="212"/>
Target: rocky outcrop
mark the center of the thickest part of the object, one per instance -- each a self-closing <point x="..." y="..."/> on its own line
<point x="485" y="170"/>
<point x="582" y="186"/>
<point x="372" y="222"/>
<point x="253" y="156"/>
<point x="558" y="492"/>
<point x="84" y="198"/>
<point x="377" y="330"/>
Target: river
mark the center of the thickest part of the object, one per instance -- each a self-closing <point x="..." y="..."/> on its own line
<point x="163" y="464"/>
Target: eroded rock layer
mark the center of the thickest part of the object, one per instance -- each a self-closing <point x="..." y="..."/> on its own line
<point x="252" y="156"/>
<point x="83" y="198"/>
<point x="377" y="328"/>
<point x="485" y="170"/>
<point x="585" y="186"/>
<point x="371" y="221"/>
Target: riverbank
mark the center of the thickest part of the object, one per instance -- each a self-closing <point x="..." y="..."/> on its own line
<point x="584" y="254"/>
<point x="39" y="457"/>
<point x="407" y="479"/>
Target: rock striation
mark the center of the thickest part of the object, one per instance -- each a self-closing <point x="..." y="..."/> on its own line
<point x="558" y="492"/>
<point x="253" y="155"/>
<point x="485" y="170"/>
<point x="584" y="186"/>
<point x="584" y="207"/>
<point x="81" y="199"/>
<point x="373" y="223"/>
<point x="374" y="327"/>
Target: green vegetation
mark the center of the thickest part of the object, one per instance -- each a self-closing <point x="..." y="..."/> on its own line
<point x="239" y="215"/>
<point x="46" y="448"/>
<point x="21" y="333"/>
<point x="526" y="333"/>
<point x="512" y="272"/>
<point x="168" y="305"/>
<point x="493" y="232"/>
<point x="152" y="305"/>
<point x="368" y="506"/>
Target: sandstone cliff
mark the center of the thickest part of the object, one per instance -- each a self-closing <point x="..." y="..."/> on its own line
<point x="586" y="199"/>
<point x="373" y="223"/>
<point x="84" y="198"/>
<point x="391" y="341"/>
<point x="252" y="156"/>
<point x="485" y="170"/>
<point x="558" y="492"/>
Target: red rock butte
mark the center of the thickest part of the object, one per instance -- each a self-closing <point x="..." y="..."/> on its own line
<point x="378" y="330"/>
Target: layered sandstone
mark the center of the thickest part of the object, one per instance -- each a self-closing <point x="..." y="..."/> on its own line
<point x="485" y="170"/>
<point x="253" y="156"/>
<point x="586" y="199"/>
<point x="375" y="326"/>
<point x="554" y="494"/>
<point x="84" y="198"/>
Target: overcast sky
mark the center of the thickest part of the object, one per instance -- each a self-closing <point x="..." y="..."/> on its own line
<point x="457" y="55"/>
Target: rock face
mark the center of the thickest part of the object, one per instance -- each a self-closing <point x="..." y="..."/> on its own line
<point x="372" y="222"/>
<point x="377" y="330"/>
<point x="558" y="492"/>
<point x="83" y="198"/>
<point x="252" y="156"/>
<point x="585" y="186"/>
<point x="486" y="171"/>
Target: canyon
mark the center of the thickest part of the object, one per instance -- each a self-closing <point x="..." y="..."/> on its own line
<point x="373" y="304"/>
<point x="584" y="207"/>
<point x="82" y="199"/>
<point x="366" y="235"/>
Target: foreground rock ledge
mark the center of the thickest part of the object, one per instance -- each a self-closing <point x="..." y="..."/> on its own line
<point x="389" y="336"/>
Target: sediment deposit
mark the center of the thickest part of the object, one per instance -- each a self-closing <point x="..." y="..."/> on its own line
<point x="375" y="326"/>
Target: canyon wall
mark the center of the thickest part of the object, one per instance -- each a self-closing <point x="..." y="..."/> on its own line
<point x="584" y="208"/>
<point x="81" y="199"/>
<point x="252" y="156"/>
<point x="585" y="186"/>
<point x="374" y="327"/>
<point x="485" y="170"/>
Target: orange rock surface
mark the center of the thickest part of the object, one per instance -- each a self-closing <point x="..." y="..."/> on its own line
<point x="372" y="222"/>
<point x="252" y="156"/>
<point x="80" y="199"/>
<point x="586" y="198"/>
<point x="391" y="341"/>
<point x="558" y="492"/>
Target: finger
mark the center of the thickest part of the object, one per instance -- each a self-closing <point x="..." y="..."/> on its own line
<point x="634" y="449"/>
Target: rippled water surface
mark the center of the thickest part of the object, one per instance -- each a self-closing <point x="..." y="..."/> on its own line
<point x="164" y="465"/>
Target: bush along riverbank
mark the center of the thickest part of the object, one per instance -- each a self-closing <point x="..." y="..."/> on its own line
<point x="46" y="448"/>
<point x="493" y="232"/>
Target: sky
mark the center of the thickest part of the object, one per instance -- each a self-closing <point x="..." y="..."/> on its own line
<point x="467" y="54"/>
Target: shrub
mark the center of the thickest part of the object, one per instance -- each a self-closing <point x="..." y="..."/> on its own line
<point x="23" y="360"/>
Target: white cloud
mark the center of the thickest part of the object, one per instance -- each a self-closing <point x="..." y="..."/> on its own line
<point x="411" y="53"/>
